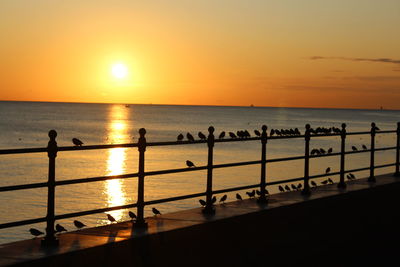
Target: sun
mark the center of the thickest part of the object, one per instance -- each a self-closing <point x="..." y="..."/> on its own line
<point x="119" y="70"/>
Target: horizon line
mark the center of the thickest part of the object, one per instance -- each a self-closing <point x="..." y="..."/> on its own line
<point x="198" y="105"/>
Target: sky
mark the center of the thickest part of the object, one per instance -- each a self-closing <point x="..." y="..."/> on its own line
<point x="284" y="53"/>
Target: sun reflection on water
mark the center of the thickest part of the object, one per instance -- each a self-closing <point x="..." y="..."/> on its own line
<point x="114" y="189"/>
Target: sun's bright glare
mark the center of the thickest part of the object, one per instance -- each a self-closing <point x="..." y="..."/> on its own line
<point x="119" y="70"/>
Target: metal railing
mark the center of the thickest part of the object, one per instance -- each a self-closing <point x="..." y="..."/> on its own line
<point x="52" y="150"/>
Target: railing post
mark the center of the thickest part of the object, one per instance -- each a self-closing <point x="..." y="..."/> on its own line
<point x="209" y="209"/>
<point x="372" y="158"/>
<point x="140" y="222"/>
<point x="306" y="187"/>
<point x="262" y="198"/>
<point x="50" y="238"/>
<point x="342" y="183"/>
<point x="397" y="173"/>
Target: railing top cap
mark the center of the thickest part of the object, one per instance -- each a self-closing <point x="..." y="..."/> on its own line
<point x="308" y="126"/>
<point x="142" y="132"/>
<point x="52" y="134"/>
<point x="344" y="125"/>
<point x="264" y="127"/>
<point x="211" y="129"/>
<point x="373" y="124"/>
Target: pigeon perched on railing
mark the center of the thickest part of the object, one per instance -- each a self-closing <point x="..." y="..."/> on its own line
<point x="239" y="197"/>
<point x="179" y="137"/>
<point x="251" y="194"/>
<point x="313" y="184"/>
<point x="287" y="188"/>
<point x="190" y="164"/>
<point x="257" y="132"/>
<point x="330" y="181"/>
<point x="354" y="148"/>
<point x="77" y="142"/>
<point x="232" y="135"/>
<point x="330" y="150"/>
<point x="364" y="147"/>
<point x="190" y="137"/>
<point x="202" y="202"/>
<point x="281" y="188"/>
<point x="202" y="136"/>
<point x="327" y="170"/>
<point x="221" y="135"/>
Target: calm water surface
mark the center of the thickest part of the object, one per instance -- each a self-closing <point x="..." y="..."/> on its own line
<point x="25" y="125"/>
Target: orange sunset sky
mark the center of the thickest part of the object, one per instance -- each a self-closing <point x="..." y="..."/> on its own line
<point x="292" y="53"/>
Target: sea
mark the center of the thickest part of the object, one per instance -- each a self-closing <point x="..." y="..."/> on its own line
<point x="26" y="125"/>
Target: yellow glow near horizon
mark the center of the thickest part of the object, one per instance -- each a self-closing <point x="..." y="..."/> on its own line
<point x="119" y="70"/>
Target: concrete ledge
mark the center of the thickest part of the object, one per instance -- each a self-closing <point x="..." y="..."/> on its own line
<point x="331" y="227"/>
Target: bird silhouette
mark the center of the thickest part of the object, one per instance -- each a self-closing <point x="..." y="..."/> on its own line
<point x="190" y="137"/>
<point x="35" y="232"/>
<point x="202" y="136"/>
<point x="77" y="142"/>
<point x="293" y="187"/>
<point x="257" y="132"/>
<point x="238" y="197"/>
<point x="299" y="186"/>
<point x="322" y="151"/>
<point x="287" y="188"/>
<point x="330" y="150"/>
<point x="111" y="218"/>
<point x="313" y="183"/>
<point x="221" y="135"/>
<point x="272" y="132"/>
<point x="202" y="202"/>
<point x="251" y="194"/>
<point x="79" y="224"/>
<point x="180" y="137"/>
<point x="281" y="188"/>
<point x="132" y="215"/>
<point x="223" y="198"/>
<point x="330" y="181"/>
<point x="156" y="211"/>
<point x="354" y="148"/>
<point x="364" y="147"/>
<point x="258" y="192"/>
<point x="266" y="192"/>
<point x="232" y="135"/>
<point x="348" y="177"/>
<point x="352" y="176"/>
<point x="60" y="228"/>
<point x="214" y="199"/>
<point x="377" y="129"/>
<point x="324" y="182"/>
<point x="190" y="164"/>
<point x="327" y="170"/>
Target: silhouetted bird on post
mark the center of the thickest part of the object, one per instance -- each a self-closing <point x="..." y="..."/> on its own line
<point x="272" y="132"/>
<point x="313" y="183"/>
<point x="35" y="232"/>
<point x="330" y="181"/>
<point x="354" y="148"/>
<point x="364" y="147"/>
<point x="180" y="137"/>
<point x="287" y="188"/>
<point x="281" y="188"/>
<point x="60" y="228"/>
<point x="257" y="132"/>
<point x="293" y="187"/>
<point x="156" y="211"/>
<point x="202" y="202"/>
<point x="111" y="218"/>
<point x="214" y="199"/>
<point x="327" y="170"/>
<point x="190" y="137"/>
<point x="232" y="135"/>
<point x="348" y="177"/>
<point x="132" y="215"/>
<point x="330" y="150"/>
<point x="322" y="151"/>
<point x="223" y="198"/>
<point x="324" y="182"/>
<point x="77" y="142"/>
<point x="190" y="164"/>
<point x="238" y="197"/>
<point x="202" y="136"/>
<point x="221" y="135"/>
<point x="352" y="176"/>
<point x="79" y="224"/>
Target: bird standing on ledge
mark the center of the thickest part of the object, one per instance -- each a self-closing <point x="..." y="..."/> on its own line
<point x="156" y="211"/>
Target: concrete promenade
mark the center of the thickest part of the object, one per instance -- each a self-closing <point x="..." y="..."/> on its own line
<point x="358" y="226"/>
